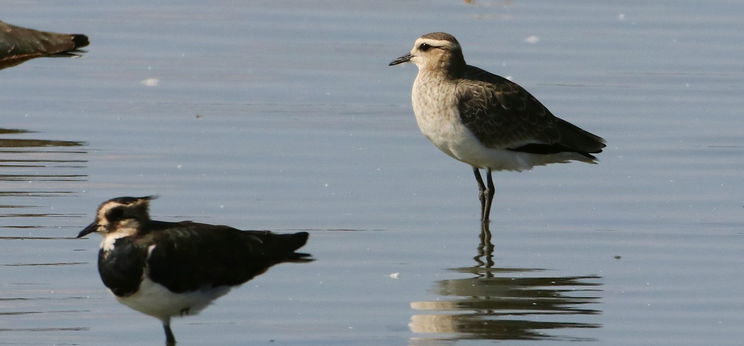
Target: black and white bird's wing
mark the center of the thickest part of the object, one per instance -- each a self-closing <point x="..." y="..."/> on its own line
<point x="503" y="115"/>
<point x="190" y="256"/>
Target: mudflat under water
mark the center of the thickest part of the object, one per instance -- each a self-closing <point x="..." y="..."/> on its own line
<point x="285" y="116"/>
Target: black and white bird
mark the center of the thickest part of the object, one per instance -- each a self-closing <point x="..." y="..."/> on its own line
<point x="485" y="120"/>
<point x="171" y="269"/>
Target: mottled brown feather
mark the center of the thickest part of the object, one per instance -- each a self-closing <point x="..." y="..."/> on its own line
<point x="502" y="114"/>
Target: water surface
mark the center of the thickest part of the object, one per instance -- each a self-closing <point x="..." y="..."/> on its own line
<point x="285" y="116"/>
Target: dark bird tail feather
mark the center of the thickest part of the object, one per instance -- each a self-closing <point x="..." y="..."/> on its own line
<point x="300" y="257"/>
<point x="285" y="245"/>
<point x="580" y="140"/>
<point x="80" y="40"/>
<point x="294" y="242"/>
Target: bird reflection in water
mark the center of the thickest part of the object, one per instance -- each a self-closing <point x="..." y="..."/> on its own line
<point x="506" y="303"/>
<point x="32" y="171"/>
<point x="39" y="160"/>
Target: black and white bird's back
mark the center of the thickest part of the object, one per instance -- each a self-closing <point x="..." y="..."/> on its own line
<point x="185" y="256"/>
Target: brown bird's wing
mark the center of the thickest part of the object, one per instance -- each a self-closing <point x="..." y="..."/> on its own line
<point x="502" y="114"/>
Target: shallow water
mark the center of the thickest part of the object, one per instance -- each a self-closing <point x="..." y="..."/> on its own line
<point x="285" y="116"/>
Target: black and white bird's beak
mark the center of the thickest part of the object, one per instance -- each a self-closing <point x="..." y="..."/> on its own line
<point x="405" y="58"/>
<point x="88" y="230"/>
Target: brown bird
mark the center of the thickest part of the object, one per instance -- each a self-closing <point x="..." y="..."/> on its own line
<point x="485" y="120"/>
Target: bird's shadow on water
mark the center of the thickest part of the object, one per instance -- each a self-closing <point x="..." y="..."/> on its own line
<point x="33" y="171"/>
<point x="496" y="303"/>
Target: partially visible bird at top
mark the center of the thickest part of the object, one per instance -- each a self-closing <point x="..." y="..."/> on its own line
<point x="18" y="44"/>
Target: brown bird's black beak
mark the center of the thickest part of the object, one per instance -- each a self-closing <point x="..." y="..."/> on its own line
<point x="405" y="58"/>
<point x="88" y="230"/>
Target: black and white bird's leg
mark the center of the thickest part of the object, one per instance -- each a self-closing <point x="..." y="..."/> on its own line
<point x="170" y="339"/>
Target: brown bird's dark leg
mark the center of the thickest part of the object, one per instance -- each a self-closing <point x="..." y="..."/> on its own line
<point x="481" y="193"/>
<point x="170" y="340"/>
<point x="490" y="191"/>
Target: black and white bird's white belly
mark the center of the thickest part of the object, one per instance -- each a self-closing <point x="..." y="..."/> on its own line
<point x="438" y="117"/>
<point x="157" y="300"/>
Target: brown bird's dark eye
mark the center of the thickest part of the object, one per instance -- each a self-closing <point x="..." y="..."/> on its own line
<point x="424" y="47"/>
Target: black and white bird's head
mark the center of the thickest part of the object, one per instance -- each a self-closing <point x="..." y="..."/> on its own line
<point x="120" y="214"/>
<point x="436" y="51"/>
